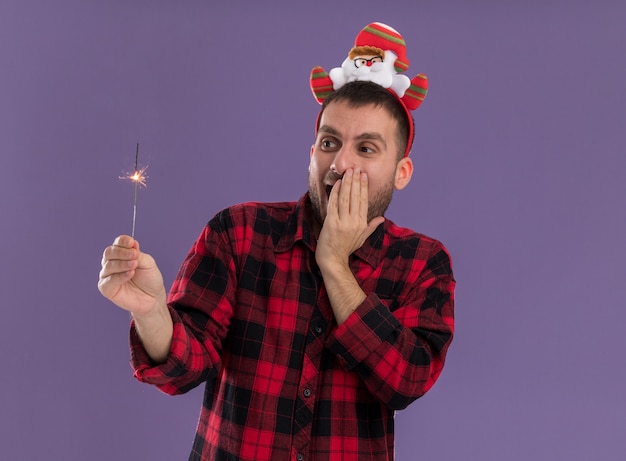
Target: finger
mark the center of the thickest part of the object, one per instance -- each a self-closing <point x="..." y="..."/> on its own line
<point x="116" y="267"/>
<point x="345" y="193"/>
<point x="363" y="198"/>
<point x="113" y="252"/>
<point x="115" y="279"/>
<point x="126" y="241"/>
<point x="356" y="199"/>
<point x="145" y="261"/>
<point x="333" y="199"/>
<point x="111" y="284"/>
<point x="373" y="224"/>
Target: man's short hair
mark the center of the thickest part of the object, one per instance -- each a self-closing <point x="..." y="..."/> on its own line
<point x="359" y="94"/>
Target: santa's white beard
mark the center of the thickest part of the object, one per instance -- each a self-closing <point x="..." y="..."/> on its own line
<point x="380" y="73"/>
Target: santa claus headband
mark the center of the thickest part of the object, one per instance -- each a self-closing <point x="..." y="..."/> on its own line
<point x="378" y="55"/>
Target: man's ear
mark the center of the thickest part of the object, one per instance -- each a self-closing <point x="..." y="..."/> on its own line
<point x="312" y="149"/>
<point x="404" y="171"/>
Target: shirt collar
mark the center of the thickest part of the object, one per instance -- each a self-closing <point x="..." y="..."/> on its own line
<point x="298" y="228"/>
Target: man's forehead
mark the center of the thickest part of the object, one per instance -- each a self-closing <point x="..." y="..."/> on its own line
<point x="359" y="106"/>
<point x="332" y="122"/>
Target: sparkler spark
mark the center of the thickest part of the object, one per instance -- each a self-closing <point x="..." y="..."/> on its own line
<point x="138" y="177"/>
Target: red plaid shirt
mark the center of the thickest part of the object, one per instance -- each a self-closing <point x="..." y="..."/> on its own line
<point x="252" y="319"/>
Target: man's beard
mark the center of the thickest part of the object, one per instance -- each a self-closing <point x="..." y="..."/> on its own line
<point x="377" y="204"/>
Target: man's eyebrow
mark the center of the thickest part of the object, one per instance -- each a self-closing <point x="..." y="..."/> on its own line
<point x="368" y="136"/>
<point x="328" y="129"/>
<point x="372" y="137"/>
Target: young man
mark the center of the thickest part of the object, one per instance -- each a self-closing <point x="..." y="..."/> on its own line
<point x="310" y="322"/>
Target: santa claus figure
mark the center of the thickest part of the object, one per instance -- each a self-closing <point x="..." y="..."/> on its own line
<point x="378" y="56"/>
<point x="372" y="64"/>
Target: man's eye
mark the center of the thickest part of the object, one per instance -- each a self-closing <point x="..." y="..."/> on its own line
<point x="328" y="144"/>
<point x="366" y="150"/>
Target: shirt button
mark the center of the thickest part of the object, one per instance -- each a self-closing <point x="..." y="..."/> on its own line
<point x="300" y="457"/>
<point x="307" y="392"/>
<point x="318" y="329"/>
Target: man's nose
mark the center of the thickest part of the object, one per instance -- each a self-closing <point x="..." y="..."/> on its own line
<point x="369" y="63"/>
<point x="342" y="161"/>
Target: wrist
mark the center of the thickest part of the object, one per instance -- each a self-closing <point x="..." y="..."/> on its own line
<point x="156" y="313"/>
<point x="333" y="263"/>
<point x="155" y="330"/>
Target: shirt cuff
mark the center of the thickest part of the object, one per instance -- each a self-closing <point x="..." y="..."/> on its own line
<point x="363" y="332"/>
<point x="145" y="369"/>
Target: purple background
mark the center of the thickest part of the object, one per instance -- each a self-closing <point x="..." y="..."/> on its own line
<point x="519" y="171"/>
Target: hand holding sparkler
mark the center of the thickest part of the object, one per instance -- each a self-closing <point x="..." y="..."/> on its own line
<point x="129" y="277"/>
<point x="131" y="280"/>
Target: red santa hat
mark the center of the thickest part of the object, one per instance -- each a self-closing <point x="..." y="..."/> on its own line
<point x="386" y="38"/>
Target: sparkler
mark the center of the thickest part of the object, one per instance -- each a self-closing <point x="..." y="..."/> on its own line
<point x="139" y="179"/>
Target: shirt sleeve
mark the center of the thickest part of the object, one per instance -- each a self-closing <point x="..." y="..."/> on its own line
<point x="400" y="353"/>
<point x="201" y="305"/>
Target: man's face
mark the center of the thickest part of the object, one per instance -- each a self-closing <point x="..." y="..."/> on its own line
<point x="350" y="137"/>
